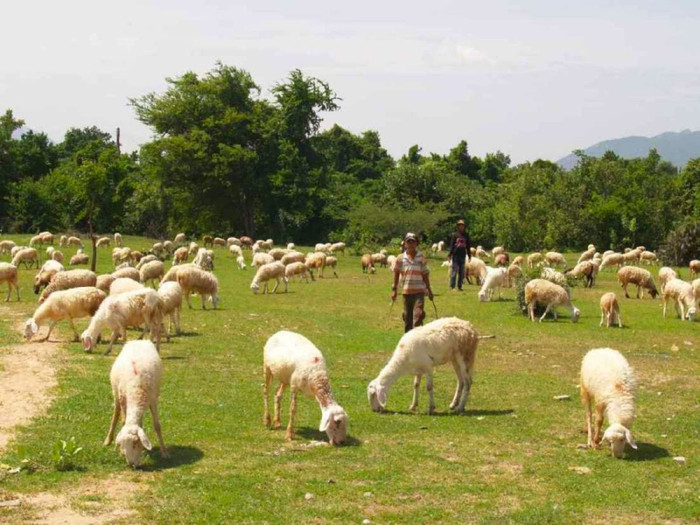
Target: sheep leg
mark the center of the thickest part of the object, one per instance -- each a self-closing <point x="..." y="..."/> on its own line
<point x="461" y="372"/>
<point x="603" y="315"/>
<point x="286" y="282"/>
<point x="639" y="288"/>
<point x="665" y="303"/>
<point x="187" y="297"/>
<point x="624" y="287"/>
<point x="49" y="332"/>
<point x="115" y="334"/>
<point x="156" y="426"/>
<point x="546" y="311"/>
<point x="201" y="295"/>
<point x="467" y="375"/>
<point x="586" y="400"/>
<point x="76" y="337"/>
<point x="277" y="422"/>
<point x="266" y="396"/>
<point x="292" y="413"/>
<point x="113" y="423"/>
<point x="277" y="283"/>
<point x="9" y="291"/>
<point x="599" y="409"/>
<point x="531" y="311"/>
<point x="429" y="388"/>
<point x="619" y="319"/>
<point x="416" y="387"/>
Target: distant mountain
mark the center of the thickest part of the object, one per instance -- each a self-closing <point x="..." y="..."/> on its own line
<point x="677" y="148"/>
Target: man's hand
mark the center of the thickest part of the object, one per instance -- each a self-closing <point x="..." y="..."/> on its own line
<point x="430" y="294"/>
<point x="393" y="296"/>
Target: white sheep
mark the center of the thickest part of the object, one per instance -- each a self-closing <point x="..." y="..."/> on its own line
<point x="299" y="365"/>
<point x="261" y="258"/>
<point x="75" y="241"/>
<point x="665" y="275"/>
<point x="48" y="270"/>
<point x="146" y="259"/>
<point x="68" y="279"/>
<point x="337" y="247"/>
<point x="495" y="278"/>
<point x="587" y="255"/>
<point x="27" y="256"/>
<point x="70" y="304"/>
<point x="332" y="263"/>
<point x="170" y="294"/>
<point x="608" y="382"/>
<point x="696" y="292"/>
<point x="120" y="254"/>
<point x="240" y="261"/>
<point x="79" y="258"/>
<point x="648" y="258"/>
<point x="612" y="259"/>
<point x="586" y="269"/>
<point x="204" y="259"/>
<point x="171" y="274"/>
<point x="136" y="377"/>
<point x="180" y="255"/>
<point x="218" y="241"/>
<point x="274" y="270"/>
<point x="118" y="239"/>
<point x="391" y="262"/>
<point x="318" y="260"/>
<point x="151" y="272"/>
<point x="6" y="246"/>
<point x="642" y="278"/>
<point x="129" y="272"/>
<point x="233" y="241"/>
<point x="235" y="250"/>
<point x="554" y="259"/>
<point x="122" y="285"/>
<point x="293" y="256"/>
<point x="682" y="295"/>
<point x="193" y="248"/>
<point x="103" y="241"/>
<point x="8" y="274"/>
<point x="610" y="310"/>
<point x="541" y="291"/>
<point x="196" y="280"/>
<point x="277" y="253"/>
<point x="35" y="240"/>
<point x="694" y="268"/>
<point x="446" y="340"/>
<point x="290" y="246"/>
<point x="297" y="268"/>
<point x="553" y="276"/>
<point x="179" y="239"/>
<point x="104" y="281"/>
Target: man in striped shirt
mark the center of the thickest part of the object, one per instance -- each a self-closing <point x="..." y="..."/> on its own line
<point x="412" y="268"/>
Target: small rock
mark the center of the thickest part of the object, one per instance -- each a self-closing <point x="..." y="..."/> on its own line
<point x="659" y="393"/>
<point x="664" y="435"/>
<point x="581" y="470"/>
<point x="680" y="460"/>
<point x="563" y="397"/>
<point x="367" y="494"/>
<point x="308" y="496"/>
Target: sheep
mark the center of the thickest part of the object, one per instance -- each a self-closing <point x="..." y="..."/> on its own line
<point x="441" y="246"/>
<point x="495" y="278"/>
<point x="277" y="253"/>
<point x="694" y="268"/>
<point x="317" y="260"/>
<point x="519" y="260"/>
<point x="434" y="247"/>
<point x="274" y="270"/>
<point x="477" y="268"/>
<point x="235" y="250"/>
<point x="554" y="259"/>
<point x="446" y="340"/>
<point x="218" y="241"/>
<point x="151" y="272"/>
<point x="391" y="262"/>
<point x="367" y="263"/>
<point x="120" y="254"/>
<point x="136" y="256"/>
<point x="514" y="273"/>
<point x="180" y="255"/>
<point x="103" y="241"/>
<point x="639" y="276"/>
<point x="122" y="285"/>
<point x="298" y="364"/>
<point x="608" y="382"/>
<point x="337" y="247"/>
<point x="682" y="294"/>
<point x="293" y="256"/>
<point x="48" y="270"/>
<point x="15" y="249"/>
<point x="79" y="258"/>
<point x="70" y="304"/>
<point x="68" y="279"/>
<point x="291" y="246"/>
<point x="319" y="247"/>
<point x="179" y="239"/>
<point x="240" y="261"/>
<point x="136" y="377"/>
<point x="35" y="240"/>
<point x="380" y="258"/>
<point x="267" y="244"/>
<point x="246" y="241"/>
<point x="208" y="240"/>
<point x="632" y="257"/>
<point x="63" y="240"/>
<point x="170" y="294"/>
<point x="534" y="259"/>
<point x="552" y="295"/>
<point x="498" y="250"/>
<point x="612" y="259"/>
<point x="146" y="259"/>
<point x="648" y="258"/>
<point x="193" y="249"/>
<point x="6" y="246"/>
<point x="261" y="258"/>
<point x="610" y="310"/>
<point x="131" y="273"/>
<point x="171" y="274"/>
<point x="297" y="268"/>
<point x="196" y="280"/>
<point x="665" y="275"/>
<point x="204" y="259"/>
<point x="332" y="262"/>
<point x="104" y="282"/>
<point x="75" y="241"/>
<point x="168" y="246"/>
<point x="501" y="259"/>
<point x="553" y="276"/>
<point x="481" y="253"/>
<point x="118" y="239"/>
<point x="28" y="256"/>
<point x="117" y="312"/>
<point x="233" y="241"/>
<point x="586" y="269"/>
<point x="8" y="274"/>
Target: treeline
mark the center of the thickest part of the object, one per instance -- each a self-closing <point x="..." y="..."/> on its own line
<point x="227" y="160"/>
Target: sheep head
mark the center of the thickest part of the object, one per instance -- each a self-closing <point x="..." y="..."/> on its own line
<point x="255" y="287"/>
<point x="692" y="312"/>
<point x="377" y="395"/>
<point x="30" y="328"/>
<point x="88" y="343"/>
<point x="334" y="422"/>
<point x="132" y="440"/>
<point x="618" y="435"/>
<point x="575" y="314"/>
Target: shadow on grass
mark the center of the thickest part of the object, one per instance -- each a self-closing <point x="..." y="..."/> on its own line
<point x="179" y="455"/>
<point x="172" y="357"/>
<point x="316" y="435"/>
<point x="647" y="452"/>
<point x="466" y="413"/>
<point x="190" y="334"/>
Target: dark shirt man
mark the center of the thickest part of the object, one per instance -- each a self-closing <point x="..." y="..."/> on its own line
<point x="460" y="248"/>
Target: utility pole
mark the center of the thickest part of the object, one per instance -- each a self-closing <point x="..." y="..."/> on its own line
<point x="119" y="144"/>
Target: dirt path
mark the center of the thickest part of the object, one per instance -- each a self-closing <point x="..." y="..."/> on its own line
<point x="27" y="383"/>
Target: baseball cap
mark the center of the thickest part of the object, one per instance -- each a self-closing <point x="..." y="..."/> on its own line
<point x="460" y="221"/>
<point x="410" y="236"/>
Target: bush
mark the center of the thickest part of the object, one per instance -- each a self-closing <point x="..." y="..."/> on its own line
<point x="681" y="245"/>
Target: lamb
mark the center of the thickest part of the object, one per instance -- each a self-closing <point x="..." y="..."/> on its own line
<point x="6" y="246"/>
<point x="48" y="270"/>
<point x="694" y="268"/>
<point x="136" y="256"/>
<point x="608" y="382"/>
<point x="68" y="279"/>
<point x="218" y="241"/>
<point x="648" y="258"/>
<point x="290" y="246"/>
<point x="179" y="239"/>
<point x="103" y="241"/>
<point x="441" y="246"/>
<point x="332" y="262"/>
<point x="117" y="312"/>
<point x="151" y="272"/>
<point x="501" y="259"/>
<point x="612" y="259"/>
<point x="519" y="260"/>
<point x="514" y="272"/>
<point x="170" y="294"/>
<point x="79" y="258"/>
<point x="446" y="340"/>
<point x="293" y="257"/>
<point x="136" y="377"/>
<point x="367" y="263"/>
<point x="274" y="270"/>
<point x="682" y="294"/>
<point x="122" y="285"/>
<point x="240" y="261"/>
<point x="665" y="275"/>
<point x="235" y="250"/>
<point x="233" y="241"/>
<point x="196" y="280"/>
<point x="28" y="256"/>
<point x="297" y="363"/>
<point x="35" y="240"/>
<point x="549" y="294"/>
<point x="193" y="248"/>
<point x="57" y="256"/>
<point x="337" y="247"/>
<point x="297" y="268"/>
<point x="261" y="258"/>
<point x="610" y="310"/>
<point x="8" y="274"/>
<point x="104" y="281"/>
<point x="481" y="253"/>
<point x="131" y="273"/>
<point x="118" y="239"/>
<point x="180" y="255"/>
<point x="318" y="260"/>
<point x="639" y="276"/>
<point x="168" y="246"/>
<point x="587" y="255"/>
<point x="208" y="240"/>
<point x="120" y="255"/>
<point x="495" y="278"/>
<point x="46" y="237"/>
<point x="498" y="250"/>
<point x="632" y="257"/>
<point x="554" y="259"/>
<point x="75" y="241"/>
<point x="146" y="259"/>
<point x="65" y="304"/>
<point x="534" y="259"/>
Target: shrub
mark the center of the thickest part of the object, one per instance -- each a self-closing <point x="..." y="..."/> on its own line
<point x="681" y="245"/>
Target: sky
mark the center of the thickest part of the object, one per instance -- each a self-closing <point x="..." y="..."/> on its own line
<point x="533" y="79"/>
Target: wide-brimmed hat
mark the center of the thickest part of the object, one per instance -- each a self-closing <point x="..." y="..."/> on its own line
<point x="410" y="237"/>
<point x="460" y="221"/>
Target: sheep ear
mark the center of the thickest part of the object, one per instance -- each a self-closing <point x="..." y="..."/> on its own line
<point x="630" y="439"/>
<point x="144" y="439"/>
<point x="325" y="421"/>
<point x="381" y="396"/>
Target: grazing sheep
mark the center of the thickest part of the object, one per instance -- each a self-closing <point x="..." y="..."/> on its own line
<point x="168" y="247"/>
<point x="612" y="259"/>
<point x="551" y="295"/>
<point x="103" y="241"/>
<point x="367" y="263"/>
<point x="6" y="246"/>
<point x="27" y="256"/>
<point x="648" y="258"/>
<point x="639" y="276"/>
<point x="665" y="275"/>
<point x="196" y="280"/>
<point x="79" y="258"/>
<point x="495" y="278"/>
<point x="131" y="273"/>
<point x="481" y="253"/>
<point x="290" y="246"/>
<point x="180" y="255"/>
<point x="683" y="297"/>
<point x="297" y="268"/>
<point x="534" y="259"/>
<point x="501" y="259"/>
<point x="235" y="250"/>
<point x="586" y="269"/>
<point x="446" y="340"/>
<point x="68" y="279"/>
<point x="75" y="241"/>
<point x="218" y="241"/>
<point x="136" y="377"/>
<point x="553" y="276"/>
<point x="8" y="274"/>
<point x="35" y="240"/>
<point x="120" y="255"/>
<point x="124" y="284"/>
<point x="277" y="253"/>
<point x="170" y="294"/>
<point x="136" y="256"/>
<point x="298" y="364"/>
<point x="293" y="257"/>
<point x="246" y="241"/>
<point x="65" y="304"/>
<point x="240" y="261"/>
<point x="441" y="246"/>
<point x="193" y="249"/>
<point x="587" y="255"/>
<point x="274" y="270"/>
<point x="317" y="260"/>
<point x="475" y="268"/>
<point x="515" y="272"/>
<point x="694" y="268"/>
<point x="261" y="258"/>
<point x="104" y="281"/>
<point x="434" y="247"/>
<point x="391" y="262"/>
<point x="46" y="237"/>
<point x="498" y="250"/>
<point x="146" y="259"/>
<point x="179" y="239"/>
<point x="233" y="241"/>
<point x="57" y="256"/>
<point x="632" y="257"/>
<point x="610" y="310"/>
<point x="118" y="239"/>
<point x="608" y="382"/>
<point x="519" y="260"/>
<point x="63" y="240"/>
<point x="554" y="259"/>
<point x="319" y="247"/>
<point x="48" y="270"/>
<point x="117" y="312"/>
<point x="337" y="247"/>
<point x="151" y="272"/>
<point x="208" y="240"/>
<point x="332" y="262"/>
<point x="171" y="274"/>
<point x="380" y="259"/>
<point x="204" y="259"/>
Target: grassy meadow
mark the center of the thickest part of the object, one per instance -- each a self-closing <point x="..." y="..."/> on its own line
<point x="509" y="458"/>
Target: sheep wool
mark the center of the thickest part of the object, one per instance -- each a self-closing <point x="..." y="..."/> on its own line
<point x="267" y="272"/>
<point x="69" y="279"/>
<point x="127" y="272"/>
<point x="694" y="268"/>
<point x="8" y="274"/>
<point x="28" y="256"/>
<point x="170" y="294"/>
<point x="48" y="270"/>
<point x="124" y="284"/>
<point x="261" y="258"/>
<point x="196" y="280"/>
<point x="151" y="272"/>
<point x="610" y="310"/>
<point x="665" y="275"/>
<point x="683" y="297"/>
<point x="495" y="278"/>
<point x="104" y="282"/>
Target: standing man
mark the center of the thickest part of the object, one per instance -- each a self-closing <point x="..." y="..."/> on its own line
<point x="459" y="249"/>
<point x="412" y="267"/>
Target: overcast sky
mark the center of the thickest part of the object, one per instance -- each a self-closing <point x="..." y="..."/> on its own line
<point x="534" y="79"/>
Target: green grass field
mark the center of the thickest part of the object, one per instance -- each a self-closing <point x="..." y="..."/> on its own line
<point x="508" y="459"/>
